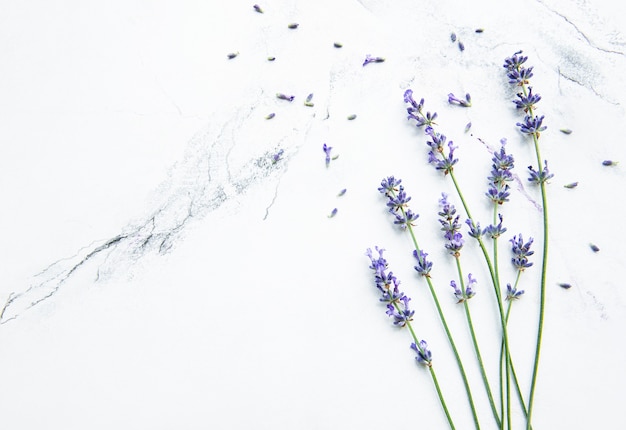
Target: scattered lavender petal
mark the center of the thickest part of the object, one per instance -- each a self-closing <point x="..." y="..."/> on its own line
<point x="342" y="192"/>
<point x="333" y="213"/>
<point x="351" y="117"/>
<point x="293" y="25"/>
<point x="270" y="116"/>
<point x="271" y="58"/>
<point x="369" y="59"/>
<point x="566" y="131"/>
<point x="257" y="8"/>
<point x="232" y="55"/>
<point x="479" y="30"/>
<point x="468" y="126"/>
<point x="565" y="285"/>
<point x="285" y="97"/>
<point x="609" y="163"/>
<point x="572" y="185"/>
<point x="461" y="46"/>
<point x="337" y="45"/>
<point x="307" y="102"/>
<point x="593" y="247"/>
<point x="453" y="37"/>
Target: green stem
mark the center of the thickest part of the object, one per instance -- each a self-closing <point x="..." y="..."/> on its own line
<point x="448" y="334"/>
<point x="475" y="342"/>
<point x="433" y="376"/>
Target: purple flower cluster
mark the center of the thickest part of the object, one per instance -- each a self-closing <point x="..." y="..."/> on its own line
<point x="500" y="174"/>
<point x="449" y="221"/>
<point x="424" y="356"/>
<point x="532" y="125"/>
<point x="512" y="293"/>
<point x="521" y="252"/>
<point x="495" y="231"/>
<point x="516" y="72"/>
<point x="541" y="176"/>
<point x="469" y="289"/>
<point x="527" y="102"/>
<point x="387" y="284"/>
<point x="423" y="266"/>
<point x="327" y="150"/>
<point x="397" y="201"/>
<point x="436" y="156"/>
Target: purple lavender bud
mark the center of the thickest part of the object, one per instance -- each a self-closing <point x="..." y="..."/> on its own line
<point x="461" y="46"/>
<point x="270" y="116"/>
<point x="452" y="99"/>
<point x="512" y="293"/>
<point x="271" y="58"/>
<point x="423" y="266"/>
<point x="400" y="311"/>
<point x="515" y="61"/>
<point x="232" y="55"/>
<point x="389" y="185"/>
<point x="257" y="8"/>
<point x="540" y="177"/>
<point x="469" y="288"/>
<point x="277" y="157"/>
<point x="333" y="213"/>
<point x="307" y="102"/>
<point x="593" y="247"/>
<point x="520" y="76"/>
<point x="527" y="102"/>
<point x="565" y="131"/>
<point x="475" y="230"/>
<point x="565" y="285"/>
<point x="370" y="59"/>
<point x="453" y="37"/>
<point x="521" y="252"/>
<point x="351" y="117"/>
<point x="609" y="163"/>
<point x="285" y="97"/>
<point x="571" y="185"/>
<point x="398" y="201"/>
<point x="495" y="231"/>
<point x="293" y="25"/>
<point x="447" y="162"/>
<point x="327" y="150"/>
<point x="337" y="45"/>
<point x="405" y="219"/>
<point x="468" y="126"/>
<point x="424" y="356"/>
<point x="532" y="125"/>
<point x="342" y="192"/>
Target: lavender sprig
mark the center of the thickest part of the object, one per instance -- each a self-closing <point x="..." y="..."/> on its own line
<point x="369" y="59"/>
<point x="452" y="99"/>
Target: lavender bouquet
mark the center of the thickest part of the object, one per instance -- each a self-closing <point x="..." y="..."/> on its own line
<point x="452" y="222"/>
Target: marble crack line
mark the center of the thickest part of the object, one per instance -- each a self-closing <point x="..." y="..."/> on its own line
<point x="590" y="87"/>
<point x="583" y="35"/>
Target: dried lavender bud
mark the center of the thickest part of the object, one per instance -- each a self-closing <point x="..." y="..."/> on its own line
<point x="232" y="55"/>
<point x="293" y="25"/>
<point x="351" y="117"/>
<point x="593" y="247"/>
<point x="465" y="103"/>
<point x="342" y="192"/>
<point x="370" y="59"/>
<point x="333" y="213"/>
<point x="468" y="126"/>
<point x="566" y="131"/>
<point x="572" y="185"/>
<point x="257" y="8"/>
<point x="461" y="46"/>
<point x="337" y="45"/>
<point x="453" y="37"/>
<point x="307" y="102"/>
<point x="327" y="150"/>
<point x="270" y="116"/>
<point x="479" y="30"/>
<point x="609" y="163"/>
<point x="565" y="285"/>
<point x="277" y="157"/>
<point x="285" y="97"/>
<point x="271" y="58"/>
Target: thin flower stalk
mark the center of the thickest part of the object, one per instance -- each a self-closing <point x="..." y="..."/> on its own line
<point x="398" y="308"/>
<point x="519" y="75"/>
<point x="397" y="202"/>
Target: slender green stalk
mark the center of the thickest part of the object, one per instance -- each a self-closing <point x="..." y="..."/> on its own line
<point x="449" y="335"/>
<point x="433" y="376"/>
<point x="475" y="342"/>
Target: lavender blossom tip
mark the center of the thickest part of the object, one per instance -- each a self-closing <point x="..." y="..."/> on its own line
<point x="424" y="356"/>
<point x="257" y="8"/>
<point x="369" y="59"/>
<point x="282" y="96"/>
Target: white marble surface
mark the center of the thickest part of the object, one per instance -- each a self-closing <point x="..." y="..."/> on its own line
<point x="160" y="272"/>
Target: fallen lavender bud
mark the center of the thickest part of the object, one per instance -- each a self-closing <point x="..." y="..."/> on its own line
<point x="232" y="55"/>
<point x="293" y="25"/>
<point x="270" y="116"/>
<point x="468" y="126"/>
<point x="351" y="117"/>
<point x="609" y="163"/>
<point x="565" y="285"/>
<point x="327" y="150"/>
<point x="572" y="185"/>
<point x="424" y="356"/>
<point x="593" y="247"/>
<point x="370" y="59"/>
<point x="342" y="192"/>
<point x="461" y="46"/>
<point x="479" y="30"/>
<point x="566" y="131"/>
<point x="465" y="103"/>
<point x="277" y="157"/>
<point x="257" y="8"/>
<point x="333" y="213"/>
<point x="453" y="37"/>
<point x="307" y="102"/>
<point x="337" y="45"/>
<point x="271" y="58"/>
<point x="285" y="97"/>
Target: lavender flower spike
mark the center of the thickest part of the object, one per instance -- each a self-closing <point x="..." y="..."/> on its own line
<point x="532" y="125"/>
<point x="424" y="356"/>
<point x="540" y="177"/>
<point x="469" y="290"/>
<point x="521" y="252"/>
<point x="512" y="293"/>
<point x="423" y="266"/>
